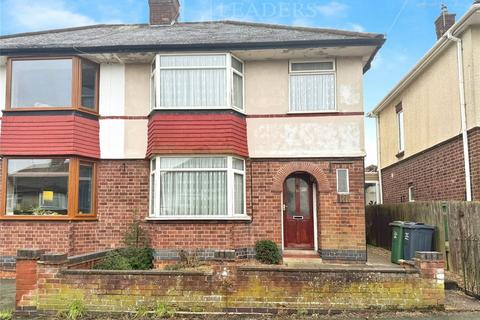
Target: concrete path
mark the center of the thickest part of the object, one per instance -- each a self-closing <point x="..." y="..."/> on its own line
<point x="7" y="295"/>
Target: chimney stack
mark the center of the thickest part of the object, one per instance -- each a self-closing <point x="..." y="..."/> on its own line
<point x="444" y="22"/>
<point x="164" y="12"/>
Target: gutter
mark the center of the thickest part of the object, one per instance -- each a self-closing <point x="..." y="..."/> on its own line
<point x="301" y="44"/>
<point x="463" y="112"/>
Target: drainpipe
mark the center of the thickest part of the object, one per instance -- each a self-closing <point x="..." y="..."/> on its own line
<point x="380" y="191"/>
<point x="463" y="113"/>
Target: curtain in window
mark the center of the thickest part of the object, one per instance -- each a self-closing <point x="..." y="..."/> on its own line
<point x="312" y="92"/>
<point x="193" y="193"/>
<point x="238" y="194"/>
<point x="193" y="88"/>
<point x="237" y="91"/>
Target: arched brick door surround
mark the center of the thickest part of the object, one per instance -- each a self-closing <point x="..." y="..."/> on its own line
<point x="323" y="184"/>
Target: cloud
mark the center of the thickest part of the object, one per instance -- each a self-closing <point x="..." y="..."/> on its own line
<point x="27" y="15"/>
<point x="356" y="27"/>
<point x="333" y="9"/>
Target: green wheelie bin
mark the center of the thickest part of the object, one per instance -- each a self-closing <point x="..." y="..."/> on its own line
<point x="397" y="240"/>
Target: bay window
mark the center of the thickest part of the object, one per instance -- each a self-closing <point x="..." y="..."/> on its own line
<point x="197" y="81"/>
<point x="197" y="187"/>
<point x="52" y="83"/>
<point x="312" y="86"/>
<point x="48" y="188"/>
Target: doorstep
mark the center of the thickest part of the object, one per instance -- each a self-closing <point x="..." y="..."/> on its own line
<point x="301" y="258"/>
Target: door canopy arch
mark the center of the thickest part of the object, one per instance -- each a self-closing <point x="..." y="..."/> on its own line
<point x="321" y="178"/>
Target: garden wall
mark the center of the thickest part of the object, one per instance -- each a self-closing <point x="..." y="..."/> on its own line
<point x="46" y="283"/>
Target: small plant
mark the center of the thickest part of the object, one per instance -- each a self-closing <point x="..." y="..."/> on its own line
<point x="267" y="252"/>
<point x="6" y="315"/>
<point x="189" y="259"/>
<point x="143" y="312"/>
<point x="162" y="310"/>
<point x="76" y="310"/>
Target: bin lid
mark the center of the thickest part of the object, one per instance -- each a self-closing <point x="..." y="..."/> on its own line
<point x="418" y="225"/>
<point x="396" y="224"/>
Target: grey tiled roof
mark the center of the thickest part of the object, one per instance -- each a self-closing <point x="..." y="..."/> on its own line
<point x="218" y="33"/>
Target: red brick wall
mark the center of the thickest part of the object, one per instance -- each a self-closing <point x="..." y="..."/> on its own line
<point x="123" y="192"/>
<point x="436" y="174"/>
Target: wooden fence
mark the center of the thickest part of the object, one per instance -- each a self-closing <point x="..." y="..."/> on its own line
<point x="457" y="232"/>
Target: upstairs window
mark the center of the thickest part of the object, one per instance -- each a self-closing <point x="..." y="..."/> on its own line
<point x="52" y="83"/>
<point x="213" y="81"/>
<point x="312" y="86"/>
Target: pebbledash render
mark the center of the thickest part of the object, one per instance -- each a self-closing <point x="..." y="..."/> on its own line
<point x="428" y="125"/>
<point x="214" y="134"/>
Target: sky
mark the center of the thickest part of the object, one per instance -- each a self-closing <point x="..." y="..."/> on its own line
<point x="407" y="24"/>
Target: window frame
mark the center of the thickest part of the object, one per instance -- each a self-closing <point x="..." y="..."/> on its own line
<point x="155" y="73"/>
<point x="317" y="72"/>
<point x="400" y="117"/>
<point x="76" y="94"/>
<point x="348" y="181"/>
<point x="411" y="193"/>
<point x="72" y="196"/>
<point x="154" y="212"/>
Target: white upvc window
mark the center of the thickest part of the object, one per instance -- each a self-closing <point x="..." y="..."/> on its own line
<point x="312" y="86"/>
<point x="197" y="81"/>
<point x="343" y="183"/>
<point x="197" y="188"/>
<point x="411" y="194"/>
<point x="401" y="131"/>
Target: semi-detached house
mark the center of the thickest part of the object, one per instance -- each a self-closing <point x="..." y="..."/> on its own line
<point x="215" y="134"/>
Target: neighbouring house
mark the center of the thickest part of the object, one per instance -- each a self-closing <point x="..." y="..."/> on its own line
<point x="215" y="134"/>
<point x="429" y="124"/>
<point x="372" y="185"/>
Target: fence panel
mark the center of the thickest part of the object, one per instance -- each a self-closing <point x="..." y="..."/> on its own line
<point x="460" y="219"/>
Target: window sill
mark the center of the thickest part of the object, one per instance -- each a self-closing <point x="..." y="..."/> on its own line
<point x="194" y="109"/>
<point x="51" y="109"/>
<point x="188" y="219"/>
<point x="46" y="218"/>
<point x="314" y="112"/>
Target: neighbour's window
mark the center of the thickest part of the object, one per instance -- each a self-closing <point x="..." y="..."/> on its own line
<point x="411" y="194"/>
<point x="197" y="187"/>
<point x="51" y="83"/>
<point x="312" y="86"/>
<point x="343" y="181"/>
<point x="401" y="130"/>
<point x="41" y="187"/>
<point x="212" y="81"/>
<point x="41" y="83"/>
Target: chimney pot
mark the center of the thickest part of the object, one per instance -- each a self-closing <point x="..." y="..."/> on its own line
<point x="164" y="12"/>
<point x="444" y="22"/>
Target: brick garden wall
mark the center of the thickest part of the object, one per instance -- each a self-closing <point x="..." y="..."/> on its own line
<point x="52" y="287"/>
<point x="436" y="174"/>
<point x="123" y="187"/>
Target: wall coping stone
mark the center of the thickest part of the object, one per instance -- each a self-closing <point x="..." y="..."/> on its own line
<point x="134" y="272"/>
<point x="87" y="257"/>
<point x="429" y="256"/>
<point x="54" y="258"/>
<point x="328" y="268"/>
<point x="29" y="254"/>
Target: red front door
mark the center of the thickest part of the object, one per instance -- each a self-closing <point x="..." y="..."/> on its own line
<point x="298" y="212"/>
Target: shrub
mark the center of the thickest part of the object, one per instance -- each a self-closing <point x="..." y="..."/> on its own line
<point x="138" y="258"/>
<point x="267" y="252"/>
<point x="113" y="261"/>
